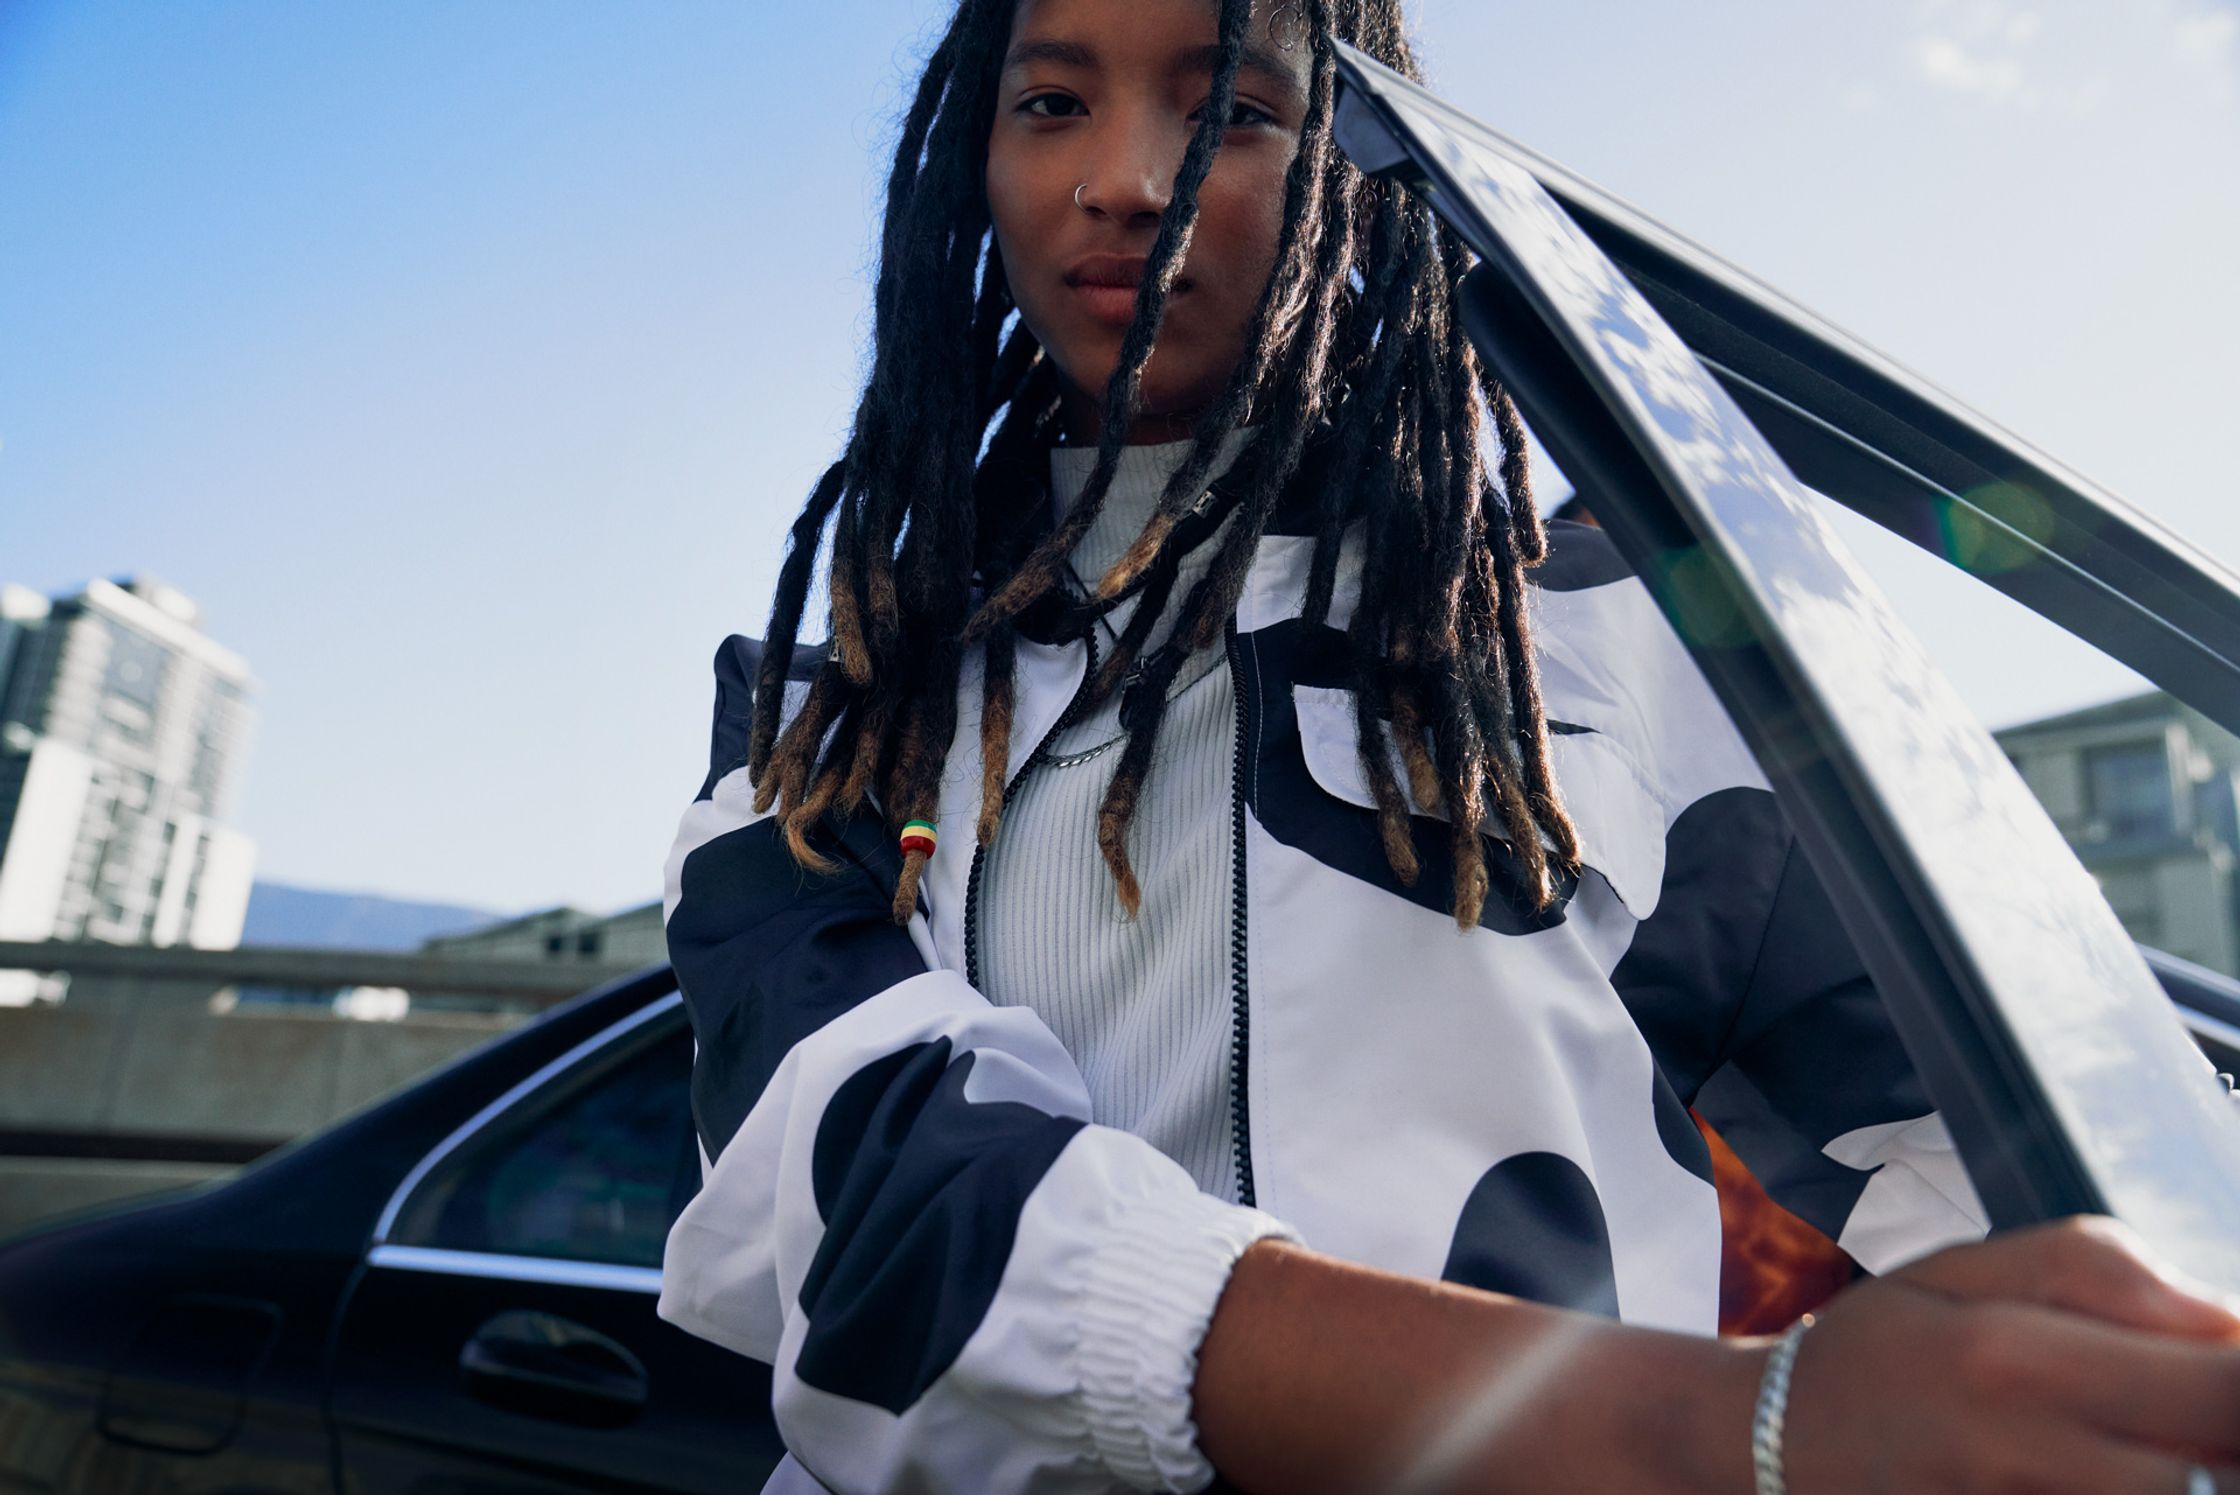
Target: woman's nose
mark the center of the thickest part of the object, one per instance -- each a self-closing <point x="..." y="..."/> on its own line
<point x="1130" y="182"/>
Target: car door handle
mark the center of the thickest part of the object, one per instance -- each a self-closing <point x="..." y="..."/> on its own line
<point x="542" y="1365"/>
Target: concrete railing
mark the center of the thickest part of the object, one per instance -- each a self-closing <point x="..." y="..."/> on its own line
<point x="95" y="968"/>
<point x="141" y="1079"/>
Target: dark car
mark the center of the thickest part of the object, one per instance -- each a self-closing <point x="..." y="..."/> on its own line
<point x="452" y="1291"/>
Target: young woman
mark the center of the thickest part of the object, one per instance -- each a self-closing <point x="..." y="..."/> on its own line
<point x="1190" y="985"/>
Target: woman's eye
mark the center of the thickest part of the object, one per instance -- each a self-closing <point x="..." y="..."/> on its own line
<point x="1051" y="106"/>
<point x="1241" y="116"/>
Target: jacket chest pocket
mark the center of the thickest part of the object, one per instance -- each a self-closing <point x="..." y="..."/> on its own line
<point x="1619" y="817"/>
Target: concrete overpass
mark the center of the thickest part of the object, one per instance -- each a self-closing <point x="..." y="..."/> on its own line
<point x="146" y="1078"/>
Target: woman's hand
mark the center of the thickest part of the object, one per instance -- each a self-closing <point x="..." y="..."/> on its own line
<point x="2054" y="1359"/>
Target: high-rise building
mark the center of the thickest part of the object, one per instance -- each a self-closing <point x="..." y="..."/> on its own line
<point x="121" y="729"/>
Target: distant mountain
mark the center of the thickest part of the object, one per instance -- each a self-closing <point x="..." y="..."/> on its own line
<point x="314" y="918"/>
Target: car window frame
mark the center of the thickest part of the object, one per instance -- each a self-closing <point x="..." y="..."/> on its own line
<point x="1860" y="428"/>
<point x="2053" y="1058"/>
<point x="599" y="1048"/>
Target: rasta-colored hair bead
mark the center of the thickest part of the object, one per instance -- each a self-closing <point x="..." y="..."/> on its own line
<point x="919" y="836"/>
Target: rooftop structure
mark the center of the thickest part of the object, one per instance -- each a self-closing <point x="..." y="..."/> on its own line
<point x="632" y="938"/>
<point x="2147" y="792"/>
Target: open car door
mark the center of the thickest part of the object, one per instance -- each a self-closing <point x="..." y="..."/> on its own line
<point x="1690" y="401"/>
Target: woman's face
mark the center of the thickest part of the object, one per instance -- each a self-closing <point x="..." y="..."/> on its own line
<point x="1103" y="96"/>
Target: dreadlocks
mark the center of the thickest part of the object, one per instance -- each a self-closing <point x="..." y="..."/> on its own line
<point x="940" y="538"/>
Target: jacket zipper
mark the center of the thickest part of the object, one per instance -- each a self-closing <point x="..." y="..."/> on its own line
<point x="979" y="852"/>
<point x="1240" y="982"/>
<point x="1240" y="986"/>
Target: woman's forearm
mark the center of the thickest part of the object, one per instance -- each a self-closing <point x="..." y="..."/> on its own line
<point x="1321" y="1375"/>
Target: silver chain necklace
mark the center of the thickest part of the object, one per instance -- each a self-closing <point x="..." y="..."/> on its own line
<point x="1087" y="755"/>
<point x="1104" y="620"/>
<point x="1075" y="760"/>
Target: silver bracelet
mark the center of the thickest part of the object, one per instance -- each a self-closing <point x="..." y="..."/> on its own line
<point x="1773" y="1410"/>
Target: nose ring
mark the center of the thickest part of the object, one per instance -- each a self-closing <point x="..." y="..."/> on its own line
<point x="1077" y="202"/>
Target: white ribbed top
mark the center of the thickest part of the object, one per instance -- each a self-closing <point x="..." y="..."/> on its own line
<point x="1144" y="1005"/>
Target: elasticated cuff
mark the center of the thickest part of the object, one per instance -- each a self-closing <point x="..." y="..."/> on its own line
<point x="1148" y="1298"/>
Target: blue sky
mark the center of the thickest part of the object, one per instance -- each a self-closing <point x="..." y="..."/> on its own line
<point x="465" y="360"/>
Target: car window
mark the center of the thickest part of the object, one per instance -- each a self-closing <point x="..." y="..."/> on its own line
<point x="592" y="1167"/>
<point x="2037" y="1027"/>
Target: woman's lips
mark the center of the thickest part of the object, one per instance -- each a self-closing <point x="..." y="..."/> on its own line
<point x="1114" y="303"/>
<point x="1105" y="287"/>
<point x="1115" y="306"/>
